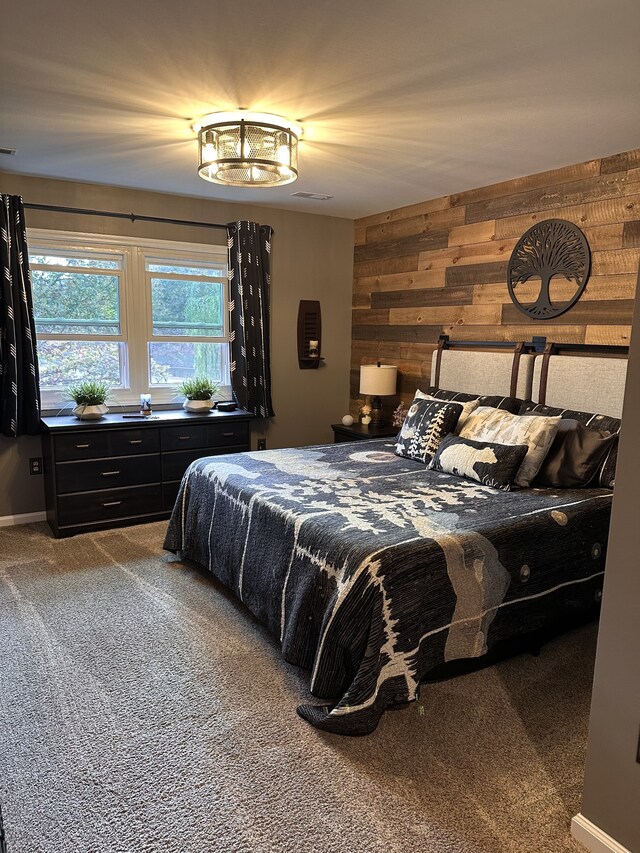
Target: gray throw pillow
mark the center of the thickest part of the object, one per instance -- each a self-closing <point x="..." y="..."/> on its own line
<point x="576" y="455"/>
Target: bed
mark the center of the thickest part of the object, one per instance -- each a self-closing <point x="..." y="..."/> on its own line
<point x="372" y="571"/>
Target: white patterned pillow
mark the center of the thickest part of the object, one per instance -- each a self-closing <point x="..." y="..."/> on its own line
<point x="500" y="427"/>
<point x="467" y="407"/>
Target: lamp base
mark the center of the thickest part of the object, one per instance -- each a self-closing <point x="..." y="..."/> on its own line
<point x="376" y="412"/>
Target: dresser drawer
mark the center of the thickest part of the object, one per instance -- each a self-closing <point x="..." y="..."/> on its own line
<point x="109" y="504"/>
<point x="107" y="473"/>
<point x="175" y="464"/>
<point x="81" y="445"/>
<point x="184" y="437"/>
<point x="223" y="435"/>
<point x="126" y="441"/>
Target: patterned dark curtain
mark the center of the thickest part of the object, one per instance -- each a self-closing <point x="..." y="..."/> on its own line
<point x="250" y="283"/>
<point x="20" y="397"/>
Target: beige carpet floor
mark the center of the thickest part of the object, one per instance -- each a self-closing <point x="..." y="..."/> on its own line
<point x="142" y="710"/>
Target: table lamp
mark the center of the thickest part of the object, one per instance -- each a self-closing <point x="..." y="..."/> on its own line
<point x="378" y="380"/>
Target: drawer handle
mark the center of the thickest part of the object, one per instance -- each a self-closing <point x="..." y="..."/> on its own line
<point x="135" y="441"/>
<point x="109" y="473"/>
<point x="184" y="438"/>
<point x="228" y="434"/>
<point x="112" y="503"/>
<point x="82" y="446"/>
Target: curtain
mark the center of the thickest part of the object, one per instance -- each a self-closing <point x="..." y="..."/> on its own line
<point x="250" y="281"/>
<point x="20" y="396"/>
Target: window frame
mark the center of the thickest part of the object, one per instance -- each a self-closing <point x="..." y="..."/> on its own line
<point x="136" y="321"/>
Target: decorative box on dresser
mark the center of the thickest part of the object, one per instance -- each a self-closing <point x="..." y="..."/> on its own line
<point x="119" y="471"/>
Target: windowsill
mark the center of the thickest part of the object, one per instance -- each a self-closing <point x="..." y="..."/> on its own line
<point x="115" y="409"/>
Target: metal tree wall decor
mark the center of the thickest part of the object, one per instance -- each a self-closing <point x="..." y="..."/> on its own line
<point x="551" y="248"/>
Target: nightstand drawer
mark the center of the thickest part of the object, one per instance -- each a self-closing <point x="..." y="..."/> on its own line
<point x="183" y="437"/>
<point x="107" y="473"/>
<point x="129" y="441"/>
<point x="223" y="435"/>
<point x="109" y="504"/>
<point x="81" y="445"/>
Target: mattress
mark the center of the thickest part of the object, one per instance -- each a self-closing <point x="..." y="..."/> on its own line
<point x="372" y="570"/>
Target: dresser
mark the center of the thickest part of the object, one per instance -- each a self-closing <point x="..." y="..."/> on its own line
<point x="119" y="471"/>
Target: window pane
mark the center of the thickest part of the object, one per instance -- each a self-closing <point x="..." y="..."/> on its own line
<point x="64" y="362"/>
<point x="76" y="303"/>
<point x="68" y="261"/>
<point x="170" y="363"/>
<point x="183" y="308"/>
<point x="196" y="271"/>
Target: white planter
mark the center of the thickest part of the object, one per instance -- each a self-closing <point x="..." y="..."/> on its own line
<point x="199" y="406"/>
<point x="90" y="413"/>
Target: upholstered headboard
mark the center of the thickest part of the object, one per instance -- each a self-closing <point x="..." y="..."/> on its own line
<point x="481" y="368"/>
<point x="588" y="382"/>
<point x="588" y="378"/>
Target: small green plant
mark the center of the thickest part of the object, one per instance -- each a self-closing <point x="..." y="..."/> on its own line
<point x="198" y="388"/>
<point x="89" y="393"/>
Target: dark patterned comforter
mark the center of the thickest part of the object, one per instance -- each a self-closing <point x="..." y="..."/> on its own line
<point x="372" y="570"/>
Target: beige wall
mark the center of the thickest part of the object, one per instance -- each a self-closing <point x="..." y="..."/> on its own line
<point x="312" y="258"/>
<point x="612" y="776"/>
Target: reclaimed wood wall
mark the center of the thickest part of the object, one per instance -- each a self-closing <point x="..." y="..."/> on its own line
<point x="440" y="267"/>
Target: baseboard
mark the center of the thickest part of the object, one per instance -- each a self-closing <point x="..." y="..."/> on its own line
<point x="22" y="518"/>
<point x="594" y="838"/>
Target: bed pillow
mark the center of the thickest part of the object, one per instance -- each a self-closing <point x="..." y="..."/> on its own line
<point x="576" y="455"/>
<point x="499" y="427"/>
<point x="494" y="465"/>
<point x="508" y="404"/>
<point x="605" y="477"/>
<point x="426" y="424"/>
<point x="467" y="407"/>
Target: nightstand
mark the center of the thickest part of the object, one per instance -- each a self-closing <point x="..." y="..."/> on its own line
<point x="359" y="432"/>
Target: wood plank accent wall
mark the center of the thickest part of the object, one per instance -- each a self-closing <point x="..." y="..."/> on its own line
<point x="440" y="266"/>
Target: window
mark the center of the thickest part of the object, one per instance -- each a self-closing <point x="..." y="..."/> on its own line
<point x="187" y="321"/>
<point x="140" y="315"/>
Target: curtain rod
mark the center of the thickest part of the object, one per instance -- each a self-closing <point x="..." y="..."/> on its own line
<point x="132" y="216"/>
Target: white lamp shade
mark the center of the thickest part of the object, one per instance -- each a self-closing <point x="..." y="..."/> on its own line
<point x="378" y="380"/>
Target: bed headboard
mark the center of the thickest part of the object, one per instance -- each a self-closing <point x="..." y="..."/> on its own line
<point x="589" y="378"/>
<point x="582" y="377"/>
<point x="486" y="367"/>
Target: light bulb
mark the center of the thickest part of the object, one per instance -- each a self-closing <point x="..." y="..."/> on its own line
<point x="283" y="155"/>
<point x="209" y="152"/>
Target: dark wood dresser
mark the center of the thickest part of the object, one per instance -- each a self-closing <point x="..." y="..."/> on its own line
<point x="119" y="471"/>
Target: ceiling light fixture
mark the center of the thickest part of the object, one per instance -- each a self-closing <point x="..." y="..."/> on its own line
<point x="244" y="149"/>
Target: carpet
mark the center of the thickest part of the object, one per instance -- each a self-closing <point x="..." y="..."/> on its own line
<point x="143" y="709"/>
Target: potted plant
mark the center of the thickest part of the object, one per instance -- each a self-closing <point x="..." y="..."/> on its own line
<point x="198" y="392"/>
<point x="89" y="397"/>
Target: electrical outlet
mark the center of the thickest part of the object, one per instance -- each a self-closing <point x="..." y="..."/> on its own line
<point x="35" y="465"/>
<point x="262" y="444"/>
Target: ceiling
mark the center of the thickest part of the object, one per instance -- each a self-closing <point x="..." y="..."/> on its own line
<point x="400" y="102"/>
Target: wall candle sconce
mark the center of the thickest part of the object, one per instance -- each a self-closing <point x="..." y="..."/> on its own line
<point x="378" y="380"/>
<point x="309" y="334"/>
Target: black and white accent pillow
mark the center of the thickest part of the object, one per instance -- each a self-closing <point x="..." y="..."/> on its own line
<point x="494" y="465"/>
<point x="507" y="404"/>
<point x="426" y="424"/>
